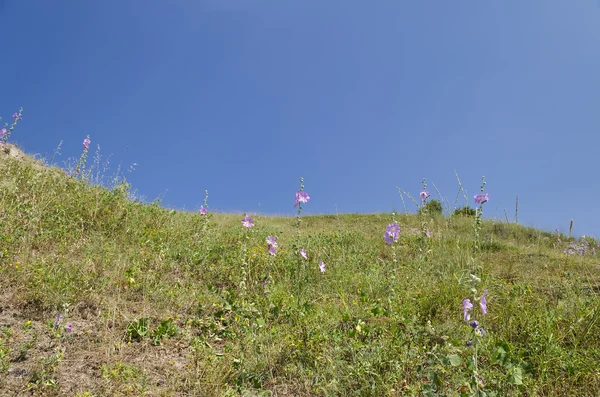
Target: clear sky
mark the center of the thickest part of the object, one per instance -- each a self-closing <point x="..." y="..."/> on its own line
<point x="242" y="97"/>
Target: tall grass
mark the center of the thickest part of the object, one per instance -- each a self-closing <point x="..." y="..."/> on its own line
<point x="152" y="304"/>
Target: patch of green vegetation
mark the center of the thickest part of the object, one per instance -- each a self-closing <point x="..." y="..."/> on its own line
<point x="381" y="320"/>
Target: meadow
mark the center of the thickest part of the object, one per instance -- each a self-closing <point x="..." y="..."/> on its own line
<point x="105" y="295"/>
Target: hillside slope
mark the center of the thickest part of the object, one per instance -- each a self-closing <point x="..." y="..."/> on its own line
<point x="103" y="296"/>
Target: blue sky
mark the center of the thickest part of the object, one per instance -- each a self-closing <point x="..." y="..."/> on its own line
<point x="243" y="97"/>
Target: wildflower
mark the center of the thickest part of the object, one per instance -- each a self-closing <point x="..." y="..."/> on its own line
<point x="393" y="229"/>
<point x="57" y="322"/>
<point x="424" y="194"/>
<point x="557" y="231"/>
<point x="467" y="305"/>
<point x="469" y="343"/>
<point x="392" y="232"/>
<point x="273" y="251"/>
<point x="483" y="302"/>
<point x="203" y="210"/>
<point x="474" y="324"/>
<point x="480" y="332"/>
<point x="17" y="117"/>
<point x="301" y="197"/>
<point x="86" y="143"/>
<point x="272" y="241"/>
<point x="427" y="233"/>
<point x="303" y="253"/>
<point x="69" y="328"/>
<point x="247" y="222"/>
<point x="265" y="281"/>
<point x="2" y="132"/>
<point x="322" y="267"/>
<point x="481" y="198"/>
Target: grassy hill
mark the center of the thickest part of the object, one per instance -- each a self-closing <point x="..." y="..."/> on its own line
<point x="156" y="302"/>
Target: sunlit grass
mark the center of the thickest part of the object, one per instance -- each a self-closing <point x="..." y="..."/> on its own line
<point x="162" y="302"/>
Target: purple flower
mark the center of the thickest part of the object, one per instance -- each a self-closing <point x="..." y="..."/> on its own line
<point x="303" y="253"/>
<point x="480" y="332"/>
<point x="203" y="210"/>
<point x="17" y="117"/>
<point x="86" y="143"/>
<point x="388" y="239"/>
<point x="247" y="222"/>
<point x="393" y="229"/>
<point x="272" y="241"/>
<point x="2" y="132"/>
<point x="474" y="324"/>
<point x="57" y="322"/>
<point x="392" y="232"/>
<point x="272" y="244"/>
<point x="481" y="198"/>
<point x="483" y="302"/>
<point x="467" y="305"/>
<point x="265" y="281"/>
<point x="469" y="343"/>
<point x="301" y="197"/>
<point x="427" y="233"/>
<point x="69" y="328"/>
<point x="424" y="194"/>
<point x="557" y="231"/>
<point x="322" y="267"/>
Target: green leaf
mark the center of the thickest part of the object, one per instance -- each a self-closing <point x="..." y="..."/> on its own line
<point x="454" y="359"/>
<point x="516" y="376"/>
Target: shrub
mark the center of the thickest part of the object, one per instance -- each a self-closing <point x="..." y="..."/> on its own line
<point x="433" y="207"/>
<point x="465" y="211"/>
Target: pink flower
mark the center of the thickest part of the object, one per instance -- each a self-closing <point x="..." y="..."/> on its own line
<point x="424" y="194"/>
<point x="86" y="143"/>
<point x="247" y="222"/>
<point x="467" y="305"/>
<point x="483" y="302"/>
<point x="427" y="233"/>
<point x="203" y="210"/>
<point x="273" y="251"/>
<point x="322" y="267"/>
<point x="2" y="132"/>
<point x="272" y="241"/>
<point x="481" y="198"/>
<point x="301" y="197"/>
<point x="303" y="253"/>
<point x="17" y="117"/>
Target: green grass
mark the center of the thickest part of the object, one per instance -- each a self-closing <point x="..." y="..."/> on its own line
<point x="154" y="300"/>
